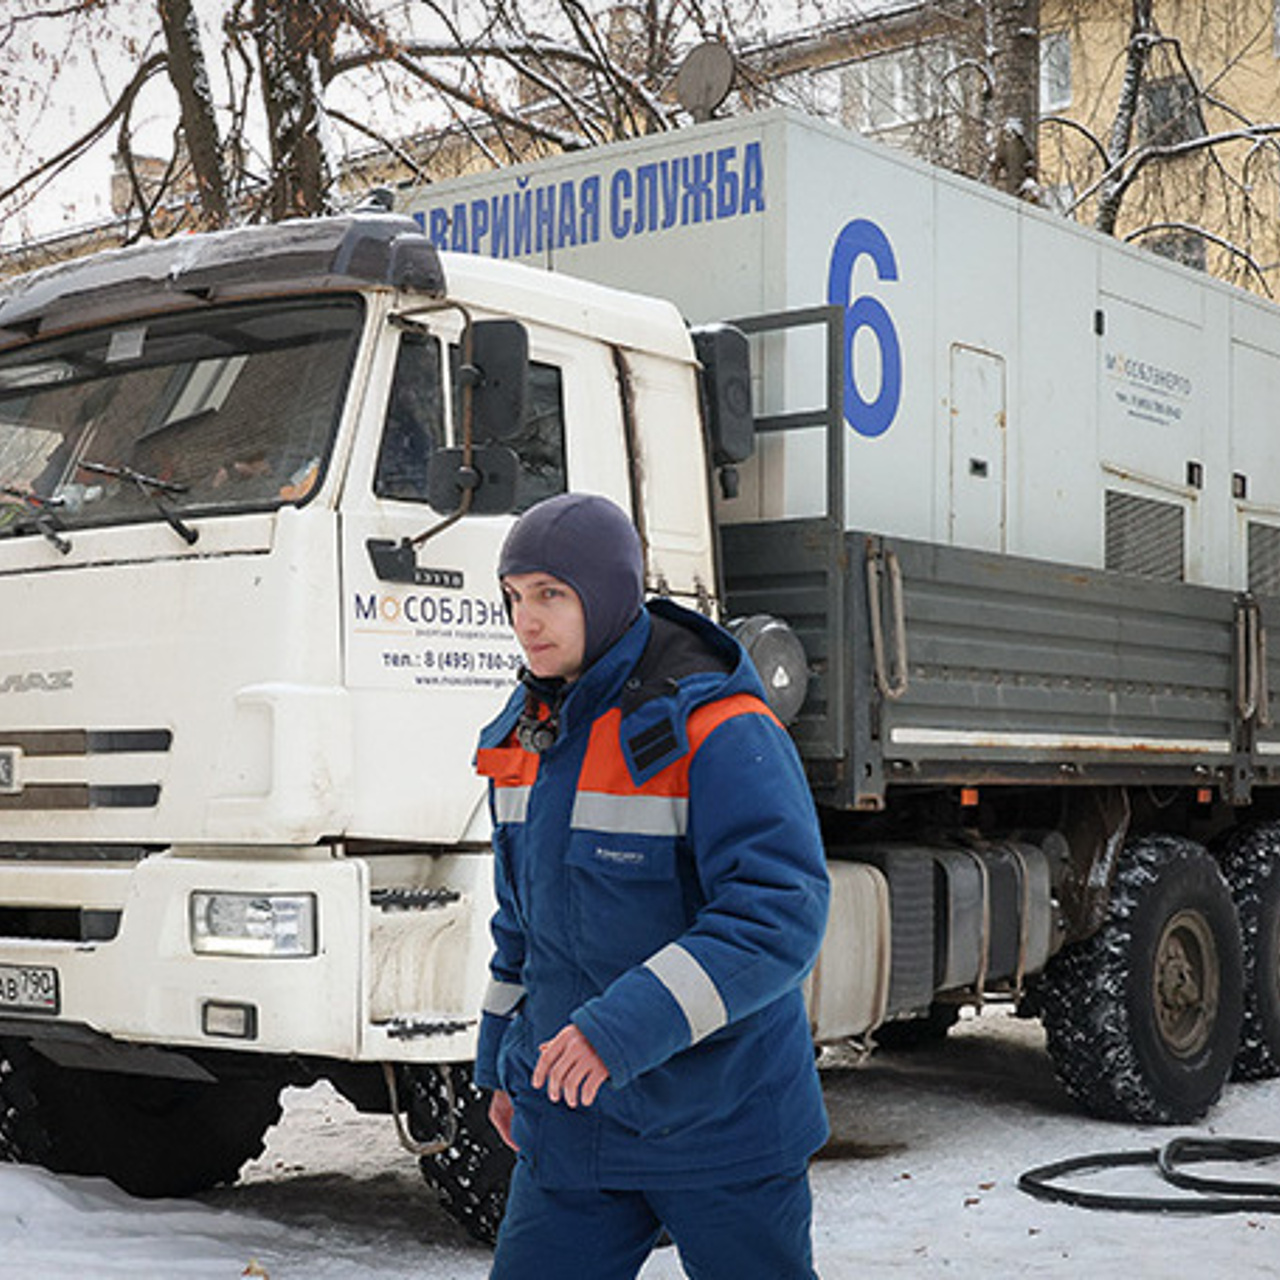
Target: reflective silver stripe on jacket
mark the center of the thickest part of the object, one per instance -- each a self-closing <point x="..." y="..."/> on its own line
<point x="630" y="815"/>
<point x="692" y="989"/>
<point x="502" y="998"/>
<point x="510" y="804"/>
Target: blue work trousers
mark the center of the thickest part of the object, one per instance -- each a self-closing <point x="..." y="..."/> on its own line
<point x="749" y="1231"/>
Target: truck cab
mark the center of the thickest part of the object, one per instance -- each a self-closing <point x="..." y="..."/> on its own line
<point x="248" y="645"/>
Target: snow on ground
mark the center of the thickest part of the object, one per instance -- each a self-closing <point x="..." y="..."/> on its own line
<point x="919" y="1181"/>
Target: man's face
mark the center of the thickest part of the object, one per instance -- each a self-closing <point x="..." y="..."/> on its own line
<point x="549" y="624"/>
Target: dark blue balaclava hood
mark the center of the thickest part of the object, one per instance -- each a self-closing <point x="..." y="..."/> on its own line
<point x="591" y="544"/>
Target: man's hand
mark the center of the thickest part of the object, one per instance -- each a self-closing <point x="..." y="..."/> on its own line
<point x="570" y="1068"/>
<point x="501" y="1111"/>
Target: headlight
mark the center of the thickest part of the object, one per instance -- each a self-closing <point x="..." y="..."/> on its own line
<point x="253" y="924"/>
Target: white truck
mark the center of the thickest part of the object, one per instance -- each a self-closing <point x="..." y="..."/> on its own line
<point x="993" y="502"/>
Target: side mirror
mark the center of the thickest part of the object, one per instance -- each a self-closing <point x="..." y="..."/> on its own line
<point x="495" y="379"/>
<point x="490" y="479"/>
<point x="725" y="355"/>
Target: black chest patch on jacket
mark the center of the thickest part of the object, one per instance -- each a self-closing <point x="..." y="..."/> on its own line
<point x="653" y="748"/>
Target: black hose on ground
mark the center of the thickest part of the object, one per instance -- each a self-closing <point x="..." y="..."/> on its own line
<point x="1211" y="1195"/>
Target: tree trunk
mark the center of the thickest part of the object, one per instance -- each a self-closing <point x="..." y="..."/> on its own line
<point x="295" y="43"/>
<point x="1114" y="184"/>
<point x="1015" y="99"/>
<point x="190" y="81"/>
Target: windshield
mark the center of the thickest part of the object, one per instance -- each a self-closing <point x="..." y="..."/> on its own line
<point x="220" y="410"/>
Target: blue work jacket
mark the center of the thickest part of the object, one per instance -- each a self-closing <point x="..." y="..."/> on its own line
<point x="661" y="884"/>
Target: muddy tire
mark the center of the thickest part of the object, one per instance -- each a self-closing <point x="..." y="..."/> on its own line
<point x="1251" y="862"/>
<point x="151" y="1136"/>
<point x="1143" y="1019"/>
<point x="471" y="1176"/>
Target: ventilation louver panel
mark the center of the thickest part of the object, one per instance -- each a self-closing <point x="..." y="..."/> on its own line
<point x="1145" y="537"/>
<point x="1264" y="558"/>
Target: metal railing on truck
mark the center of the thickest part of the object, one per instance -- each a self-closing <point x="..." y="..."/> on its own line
<point x="787" y="567"/>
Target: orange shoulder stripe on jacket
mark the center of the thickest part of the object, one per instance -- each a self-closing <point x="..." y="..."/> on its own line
<point x="605" y="767"/>
<point x="707" y="719"/>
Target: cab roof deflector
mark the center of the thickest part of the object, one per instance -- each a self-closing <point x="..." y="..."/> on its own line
<point x="349" y="251"/>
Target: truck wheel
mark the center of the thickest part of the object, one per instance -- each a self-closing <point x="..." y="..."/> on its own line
<point x="1251" y="863"/>
<point x="470" y="1177"/>
<point x="1143" y="1018"/>
<point x="150" y="1135"/>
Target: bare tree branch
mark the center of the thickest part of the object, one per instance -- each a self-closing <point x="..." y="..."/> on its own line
<point x="1123" y="173"/>
<point x="389" y="145"/>
<point x="1137" y="52"/>
<point x="1205" y="234"/>
<point x="524" y="57"/>
<point x="1089" y="136"/>
<point x="411" y="58"/>
<point x="121" y="107"/>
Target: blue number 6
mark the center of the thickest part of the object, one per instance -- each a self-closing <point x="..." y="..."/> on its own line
<point x="866" y="417"/>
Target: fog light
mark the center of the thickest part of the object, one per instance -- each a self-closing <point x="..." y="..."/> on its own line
<point x="235" y="1021"/>
<point x="253" y="924"/>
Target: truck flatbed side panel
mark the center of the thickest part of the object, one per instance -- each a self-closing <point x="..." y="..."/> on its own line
<point x="991" y="668"/>
<point x="1033" y="662"/>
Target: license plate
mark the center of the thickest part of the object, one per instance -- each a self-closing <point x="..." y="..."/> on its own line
<point x="8" y="771"/>
<point x="28" y="988"/>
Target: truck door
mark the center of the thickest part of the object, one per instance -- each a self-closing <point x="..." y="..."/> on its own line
<point x="428" y="657"/>
<point x="977" y="490"/>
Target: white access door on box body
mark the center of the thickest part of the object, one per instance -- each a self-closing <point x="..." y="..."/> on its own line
<point x="977" y="461"/>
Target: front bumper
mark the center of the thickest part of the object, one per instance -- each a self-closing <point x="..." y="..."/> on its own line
<point x="397" y="974"/>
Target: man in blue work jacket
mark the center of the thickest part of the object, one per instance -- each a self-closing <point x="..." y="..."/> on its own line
<point x="662" y="893"/>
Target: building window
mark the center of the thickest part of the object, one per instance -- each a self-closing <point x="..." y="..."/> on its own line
<point x="818" y="91"/>
<point x="1170" y="112"/>
<point x="902" y="87"/>
<point x="1055" y="71"/>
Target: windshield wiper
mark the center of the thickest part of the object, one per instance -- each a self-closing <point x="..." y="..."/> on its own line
<point x="44" y="519"/>
<point x="153" y="489"/>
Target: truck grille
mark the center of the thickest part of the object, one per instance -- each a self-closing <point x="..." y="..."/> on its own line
<point x="40" y="792"/>
<point x="59" y="924"/>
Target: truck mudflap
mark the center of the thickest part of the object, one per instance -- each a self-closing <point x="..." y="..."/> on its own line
<point x="222" y="950"/>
